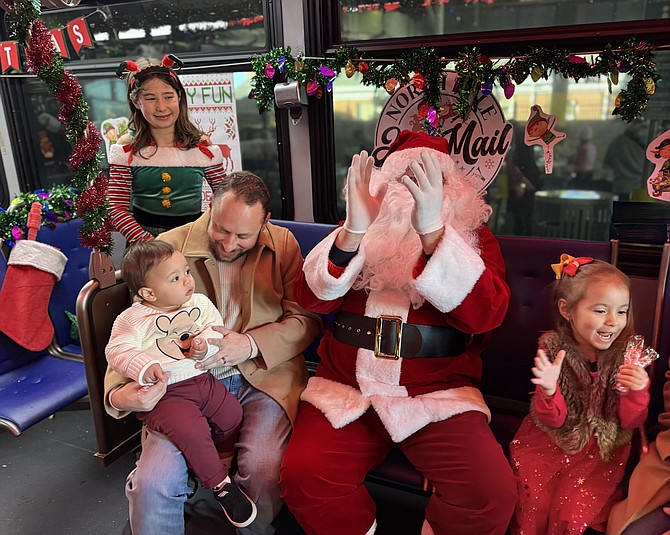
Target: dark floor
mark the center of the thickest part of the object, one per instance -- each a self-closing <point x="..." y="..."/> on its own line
<point x="51" y="484"/>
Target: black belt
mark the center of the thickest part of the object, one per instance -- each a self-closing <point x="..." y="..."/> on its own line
<point x="390" y="338"/>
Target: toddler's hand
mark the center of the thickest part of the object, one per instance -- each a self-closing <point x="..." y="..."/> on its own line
<point x="546" y="373"/>
<point x="154" y="374"/>
<point x="198" y="348"/>
<point x="632" y="377"/>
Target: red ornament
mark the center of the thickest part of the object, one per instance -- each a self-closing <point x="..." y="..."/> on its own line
<point x="363" y="67"/>
<point x="419" y="81"/>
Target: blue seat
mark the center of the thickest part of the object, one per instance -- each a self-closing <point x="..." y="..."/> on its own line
<point x="35" y="385"/>
<point x="65" y="236"/>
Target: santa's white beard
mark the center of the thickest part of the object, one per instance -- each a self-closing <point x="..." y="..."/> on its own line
<point x="392" y="247"/>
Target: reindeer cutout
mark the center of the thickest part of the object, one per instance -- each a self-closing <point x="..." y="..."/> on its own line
<point x="228" y="163"/>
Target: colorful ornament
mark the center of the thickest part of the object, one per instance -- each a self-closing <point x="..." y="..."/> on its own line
<point x="536" y="73"/>
<point x="281" y="64"/>
<point x="363" y="67"/>
<point x="349" y="69"/>
<point x="269" y="71"/>
<point x="419" y="81"/>
<point x="649" y="86"/>
<point x="312" y="87"/>
<point x="487" y="88"/>
<point x="391" y="85"/>
<point x="508" y="89"/>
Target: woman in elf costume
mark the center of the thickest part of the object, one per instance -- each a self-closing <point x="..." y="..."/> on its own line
<point x="156" y="176"/>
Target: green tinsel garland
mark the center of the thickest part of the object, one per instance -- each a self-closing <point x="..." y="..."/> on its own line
<point x="475" y="70"/>
<point x="57" y="207"/>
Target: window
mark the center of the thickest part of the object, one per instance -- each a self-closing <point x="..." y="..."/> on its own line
<point x="617" y="167"/>
<point x="153" y="28"/>
<point x="49" y="150"/>
<point x="413" y="18"/>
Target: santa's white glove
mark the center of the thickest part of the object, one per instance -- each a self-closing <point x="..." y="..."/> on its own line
<point x="427" y="193"/>
<point x="362" y="206"/>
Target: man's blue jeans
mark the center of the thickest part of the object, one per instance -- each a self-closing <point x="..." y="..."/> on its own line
<point x="158" y="487"/>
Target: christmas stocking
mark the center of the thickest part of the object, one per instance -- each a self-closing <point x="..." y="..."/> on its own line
<point x="32" y="271"/>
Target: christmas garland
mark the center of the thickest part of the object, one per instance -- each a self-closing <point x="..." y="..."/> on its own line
<point x="43" y="60"/>
<point x="425" y="69"/>
<point x="57" y="207"/>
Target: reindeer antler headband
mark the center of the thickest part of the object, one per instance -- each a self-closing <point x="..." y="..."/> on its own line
<point x="167" y="65"/>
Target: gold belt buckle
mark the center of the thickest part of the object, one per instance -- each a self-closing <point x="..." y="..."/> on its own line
<point x="378" y="337"/>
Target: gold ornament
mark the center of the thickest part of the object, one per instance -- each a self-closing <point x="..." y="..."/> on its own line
<point x="165" y="176"/>
<point x="536" y="73"/>
<point x="391" y="85"/>
<point x="617" y="101"/>
<point x="349" y="69"/>
<point x="649" y="86"/>
<point x="166" y="190"/>
<point x="614" y="76"/>
<point x="297" y="66"/>
<point x="166" y="203"/>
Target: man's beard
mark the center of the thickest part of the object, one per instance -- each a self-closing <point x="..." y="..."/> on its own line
<point x="392" y="247"/>
<point x="214" y="249"/>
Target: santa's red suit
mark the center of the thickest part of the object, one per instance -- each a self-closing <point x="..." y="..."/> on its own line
<point x="359" y="405"/>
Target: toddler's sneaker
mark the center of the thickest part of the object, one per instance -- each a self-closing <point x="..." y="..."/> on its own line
<point x="236" y="505"/>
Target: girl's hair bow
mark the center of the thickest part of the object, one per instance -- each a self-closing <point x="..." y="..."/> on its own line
<point x="569" y="265"/>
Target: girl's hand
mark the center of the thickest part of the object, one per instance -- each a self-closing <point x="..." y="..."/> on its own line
<point x="154" y="374"/>
<point x="198" y="348"/>
<point x="632" y="377"/>
<point x="546" y="373"/>
<point x="135" y="398"/>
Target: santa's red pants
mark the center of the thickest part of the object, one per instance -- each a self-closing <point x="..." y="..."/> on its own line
<point x="324" y="468"/>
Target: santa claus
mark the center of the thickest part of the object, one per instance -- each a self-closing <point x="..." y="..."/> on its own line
<point x="415" y="282"/>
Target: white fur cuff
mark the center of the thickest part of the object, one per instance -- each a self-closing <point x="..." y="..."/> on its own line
<point x="38" y="255"/>
<point x="320" y="281"/>
<point x="339" y="403"/>
<point x="451" y="272"/>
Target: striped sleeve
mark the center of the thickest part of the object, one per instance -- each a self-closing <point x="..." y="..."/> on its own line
<point x="120" y="190"/>
<point x="214" y="174"/>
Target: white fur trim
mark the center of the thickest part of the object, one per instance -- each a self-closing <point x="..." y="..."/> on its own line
<point x="339" y="403"/>
<point x="165" y="157"/>
<point x="38" y="255"/>
<point x="426" y="529"/>
<point x="451" y="272"/>
<point x="372" y="529"/>
<point x="402" y="417"/>
<point x="320" y="281"/>
<point x="375" y="376"/>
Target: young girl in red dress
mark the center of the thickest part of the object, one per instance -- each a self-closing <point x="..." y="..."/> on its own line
<point x="570" y="452"/>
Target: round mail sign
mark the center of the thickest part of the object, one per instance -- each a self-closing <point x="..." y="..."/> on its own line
<point x="477" y="145"/>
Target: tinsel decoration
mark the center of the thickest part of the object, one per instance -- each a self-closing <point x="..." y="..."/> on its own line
<point x="425" y="69"/>
<point x="316" y="75"/>
<point x="43" y="61"/>
<point x="58" y="205"/>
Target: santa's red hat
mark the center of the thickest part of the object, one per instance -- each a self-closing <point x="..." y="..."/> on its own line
<point x="408" y="147"/>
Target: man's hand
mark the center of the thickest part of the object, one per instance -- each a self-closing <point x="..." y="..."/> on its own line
<point x="234" y="348"/>
<point x="632" y="377"/>
<point x="546" y="373"/>
<point x="427" y="193"/>
<point x="135" y="398"/>
<point x="362" y="206"/>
